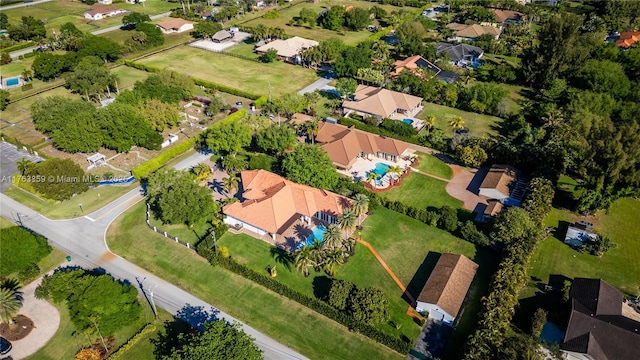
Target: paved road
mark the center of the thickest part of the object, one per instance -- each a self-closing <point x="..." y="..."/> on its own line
<point x="16" y="6"/>
<point x="17" y="53"/>
<point x="84" y="239"/>
<point x="320" y="84"/>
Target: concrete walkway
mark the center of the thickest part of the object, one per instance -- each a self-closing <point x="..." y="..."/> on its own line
<point x="46" y="320"/>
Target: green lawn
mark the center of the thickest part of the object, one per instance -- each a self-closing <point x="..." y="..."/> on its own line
<point x="127" y="76"/>
<point x="318" y="33"/>
<point x="238" y="73"/>
<point x="13" y="69"/>
<point x="478" y="124"/>
<point x="288" y="322"/>
<point x="244" y="49"/>
<point x="434" y="166"/>
<point x="410" y="248"/>
<point x="91" y="200"/>
<point x="422" y="191"/>
<point x="362" y="269"/>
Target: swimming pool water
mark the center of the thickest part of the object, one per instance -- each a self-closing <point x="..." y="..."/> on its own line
<point x="317" y="233"/>
<point x="381" y="169"/>
<point x="13" y="81"/>
<point x="407" y="121"/>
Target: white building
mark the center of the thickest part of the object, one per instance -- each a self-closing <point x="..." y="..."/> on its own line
<point x="99" y="12"/>
<point x="175" y="26"/>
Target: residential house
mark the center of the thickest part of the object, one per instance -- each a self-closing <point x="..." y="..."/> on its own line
<point x="99" y="12"/>
<point x="381" y="103"/>
<point x="175" y="26"/>
<point x="627" y="39"/>
<point x="472" y="32"/>
<point x="421" y="67"/>
<point x="493" y="208"/>
<point x="273" y="207"/>
<point x="460" y="54"/>
<point x="221" y="36"/>
<point x="504" y="17"/>
<point x="346" y="144"/>
<point x="444" y="293"/>
<point x="597" y="328"/>
<point x="288" y="50"/>
<point x="504" y="183"/>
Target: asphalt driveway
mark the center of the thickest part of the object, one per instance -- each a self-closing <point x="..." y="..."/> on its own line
<point x="9" y="156"/>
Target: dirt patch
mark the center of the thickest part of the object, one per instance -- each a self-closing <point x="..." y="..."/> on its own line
<point x="21" y="327"/>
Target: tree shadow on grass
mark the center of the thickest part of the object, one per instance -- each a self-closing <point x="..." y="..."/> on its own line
<point x="282" y="256"/>
<point x="321" y="287"/>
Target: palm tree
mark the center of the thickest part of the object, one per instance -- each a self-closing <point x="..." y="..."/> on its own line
<point x="430" y="122"/>
<point x="395" y="170"/>
<point x="10" y="300"/>
<point x="27" y="74"/>
<point x="201" y="171"/>
<point x="360" y="206"/>
<point x="332" y="237"/>
<point x="24" y="166"/>
<point x="230" y="183"/>
<point x="457" y="123"/>
<point x="303" y="259"/>
<point x="372" y="177"/>
<point x="331" y="261"/>
<point x="552" y="118"/>
<point x="311" y="128"/>
<point x="312" y="99"/>
<point x="347" y="221"/>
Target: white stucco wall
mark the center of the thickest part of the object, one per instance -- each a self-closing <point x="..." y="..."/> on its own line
<point x="231" y="221"/>
<point x="492" y="193"/>
<point x="435" y="312"/>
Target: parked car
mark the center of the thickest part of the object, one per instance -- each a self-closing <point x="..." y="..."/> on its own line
<point x="5" y="346"/>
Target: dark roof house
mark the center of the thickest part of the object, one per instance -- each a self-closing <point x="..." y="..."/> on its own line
<point x="459" y="52"/>
<point x="596" y="326"/>
<point x="416" y="63"/>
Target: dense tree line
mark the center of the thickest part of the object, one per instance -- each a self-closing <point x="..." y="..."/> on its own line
<point x="337" y="17"/>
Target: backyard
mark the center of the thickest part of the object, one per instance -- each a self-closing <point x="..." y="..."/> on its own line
<point x="285" y="320"/>
<point x="432" y="165"/>
<point x="421" y="191"/>
<point x="478" y="124"/>
<point x="250" y="76"/>
<point x="318" y="33"/>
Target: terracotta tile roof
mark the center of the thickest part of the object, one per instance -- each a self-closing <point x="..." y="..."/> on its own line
<point x="628" y="38"/>
<point x="473" y="31"/>
<point x="449" y="282"/>
<point x="174" y="23"/>
<point x="270" y="201"/>
<point x="504" y="15"/>
<point x="501" y="178"/>
<point x="380" y="102"/>
<point x="413" y="63"/>
<point x="289" y="47"/>
<point x="344" y="144"/>
<point x="101" y="9"/>
<point x="596" y="324"/>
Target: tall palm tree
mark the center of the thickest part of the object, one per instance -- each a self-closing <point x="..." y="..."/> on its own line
<point x="332" y="237"/>
<point x="396" y="170"/>
<point x="27" y="74"/>
<point x="24" y="166"/>
<point x="360" y="206"/>
<point x="457" y="123"/>
<point x="331" y="261"/>
<point x="552" y="118"/>
<point x="10" y="300"/>
<point x="347" y="221"/>
<point x="312" y="99"/>
<point x="372" y="177"/>
<point x="311" y="128"/>
<point x="230" y="183"/>
<point x="430" y="122"/>
<point x="303" y="260"/>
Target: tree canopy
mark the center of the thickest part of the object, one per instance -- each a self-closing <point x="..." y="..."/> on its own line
<point x="90" y="77"/>
<point x="276" y="139"/>
<point x="228" y="138"/>
<point x="20" y="248"/>
<point x="59" y="179"/>
<point x="310" y="165"/>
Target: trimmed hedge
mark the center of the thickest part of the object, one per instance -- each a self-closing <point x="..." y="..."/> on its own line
<point x="261" y="101"/>
<point x="414" y="139"/>
<point x="142" y="67"/>
<point x="19" y="46"/>
<point x="147" y="329"/>
<point x="379" y="34"/>
<point x="226" y="89"/>
<point x="400" y="345"/>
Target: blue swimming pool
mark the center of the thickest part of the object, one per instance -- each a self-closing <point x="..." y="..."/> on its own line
<point x="317" y="233"/>
<point x="408" y="121"/>
<point x="13" y="81"/>
<point x="381" y="169"/>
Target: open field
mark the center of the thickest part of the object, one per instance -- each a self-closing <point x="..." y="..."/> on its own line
<point x="238" y="73"/>
<point x="91" y="200"/>
<point x="362" y="269"/>
<point x="128" y="76"/>
<point x="434" y="166"/>
<point x="244" y="49"/>
<point x="478" y="124"/>
<point x="421" y="191"/>
<point x="318" y="33"/>
<point x="411" y="249"/>
<point x="285" y="320"/>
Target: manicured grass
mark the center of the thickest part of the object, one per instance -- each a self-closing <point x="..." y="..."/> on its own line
<point x="318" y="33"/>
<point x="362" y="269"/>
<point x="128" y="76"/>
<point x="410" y="248"/>
<point x="618" y="266"/>
<point x="422" y="191"/>
<point x="286" y="321"/>
<point x="244" y="49"/>
<point x="12" y="69"/>
<point x="91" y="200"/>
<point x="478" y="124"/>
<point x="238" y="73"/>
<point x="434" y="166"/>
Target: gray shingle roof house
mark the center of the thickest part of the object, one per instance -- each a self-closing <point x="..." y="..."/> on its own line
<point x="460" y="53"/>
<point x="597" y="327"/>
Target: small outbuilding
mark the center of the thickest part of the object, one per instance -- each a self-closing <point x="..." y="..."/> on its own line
<point x="504" y="183"/>
<point x="220" y="36"/>
<point x="444" y="293"/>
<point x="96" y="159"/>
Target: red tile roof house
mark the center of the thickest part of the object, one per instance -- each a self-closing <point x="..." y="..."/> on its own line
<point x="627" y="39"/>
<point x="99" y="12"/>
<point x="280" y="211"/>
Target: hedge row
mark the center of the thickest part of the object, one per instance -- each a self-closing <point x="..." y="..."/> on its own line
<point x="142" y="67"/>
<point x="147" y="329"/>
<point x="19" y="46"/>
<point x="379" y="34"/>
<point x="400" y="345"/>
<point x="261" y="101"/>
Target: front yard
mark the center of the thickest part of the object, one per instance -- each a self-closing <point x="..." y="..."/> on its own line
<point x="250" y="76"/>
<point x="422" y="191"/>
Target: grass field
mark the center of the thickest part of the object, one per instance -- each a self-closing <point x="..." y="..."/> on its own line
<point x="434" y="166"/>
<point x="91" y="200"/>
<point x="13" y="69"/>
<point x="411" y="249"/>
<point x="244" y="49"/>
<point x="128" y="76"/>
<point x="421" y="191"/>
<point x="286" y="321"/>
<point x="362" y="269"/>
<point x="318" y="33"/>
<point x="478" y="124"/>
<point x="238" y="73"/>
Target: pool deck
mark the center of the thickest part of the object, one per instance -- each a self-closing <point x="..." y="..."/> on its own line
<point x="296" y="231"/>
<point x="363" y="166"/>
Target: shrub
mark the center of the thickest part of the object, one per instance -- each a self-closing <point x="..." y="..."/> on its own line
<point x="30" y="272"/>
<point x="261" y="161"/>
<point x="398" y="127"/>
<point x="431" y="218"/>
<point x="269" y="56"/>
<point x="147" y="329"/>
<point x="271" y="14"/>
<point x="339" y="293"/>
<point x="448" y="218"/>
<point x="21" y="249"/>
<point x="469" y="232"/>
